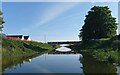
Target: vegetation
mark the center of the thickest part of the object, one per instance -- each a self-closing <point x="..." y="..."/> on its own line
<point x="99" y="23"/>
<point x="1" y="21"/>
<point x="19" y="48"/>
<point x="101" y="50"/>
<point x="99" y="26"/>
<point x="91" y="66"/>
<point x="99" y="37"/>
<point x="107" y="56"/>
<point x="15" y="51"/>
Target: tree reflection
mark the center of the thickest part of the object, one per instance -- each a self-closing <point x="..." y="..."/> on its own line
<point x="91" y="66"/>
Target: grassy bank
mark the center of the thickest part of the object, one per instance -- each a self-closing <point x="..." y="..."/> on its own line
<point x="20" y="48"/>
<point x="15" y="51"/>
<point x="101" y="50"/>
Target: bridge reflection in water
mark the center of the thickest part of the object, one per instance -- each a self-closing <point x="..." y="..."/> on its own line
<point x="58" y="62"/>
<point x="62" y="50"/>
<point x="58" y="52"/>
<point x="88" y="63"/>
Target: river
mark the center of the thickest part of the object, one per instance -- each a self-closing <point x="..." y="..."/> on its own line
<point x="55" y="62"/>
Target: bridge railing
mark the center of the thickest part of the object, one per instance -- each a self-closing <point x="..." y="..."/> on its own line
<point x="67" y="42"/>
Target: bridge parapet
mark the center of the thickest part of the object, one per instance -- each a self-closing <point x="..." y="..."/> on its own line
<point x="65" y="42"/>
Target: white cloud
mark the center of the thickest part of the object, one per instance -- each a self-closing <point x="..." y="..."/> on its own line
<point x="50" y="13"/>
<point x="55" y="11"/>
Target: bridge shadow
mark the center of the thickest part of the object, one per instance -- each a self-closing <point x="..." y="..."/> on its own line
<point x="58" y="52"/>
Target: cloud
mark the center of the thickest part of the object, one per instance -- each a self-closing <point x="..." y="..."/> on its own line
<point x="55" y="11"/>
<point x="50" y="14"/>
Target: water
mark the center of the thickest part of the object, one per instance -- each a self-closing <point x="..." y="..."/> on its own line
<point x="59" y="63"/>
<point x="49" y="63"/>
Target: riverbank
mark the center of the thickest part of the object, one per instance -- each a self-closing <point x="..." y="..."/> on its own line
<point x="17" y="50"/>
<point x="101" y="50"/>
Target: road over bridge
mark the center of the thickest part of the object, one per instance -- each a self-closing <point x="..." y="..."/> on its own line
<point x="64" y="42"/>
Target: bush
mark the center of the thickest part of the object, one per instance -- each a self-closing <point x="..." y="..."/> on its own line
<point x="107" y="56"/>
<point x="113" y="56"/>
<point x="100" y="55"/>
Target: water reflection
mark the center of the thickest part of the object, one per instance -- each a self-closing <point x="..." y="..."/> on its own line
<point x="28" y="60"/>
<point x="57" y="62"/>
<point x="50" y="63"/>
<point x="91" y="66"/>
<point x="118" y="69"/>
<point x="12" y="62"/>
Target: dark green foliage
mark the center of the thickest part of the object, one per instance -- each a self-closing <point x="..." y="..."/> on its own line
<point x="99" y="23"/>
<point x="1" y="20"/>
<point x="112" y="43"/>
<point x="106" y="56"/>
<point x="101" y="50"/>
<point x="92" y="66"/>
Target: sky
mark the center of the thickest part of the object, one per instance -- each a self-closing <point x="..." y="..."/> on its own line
<point x="59" y="0"/>
<point x="57" y="21"/>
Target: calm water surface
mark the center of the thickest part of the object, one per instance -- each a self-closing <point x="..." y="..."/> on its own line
<point x="61" y="63"/>
<point x="49" y="63"/>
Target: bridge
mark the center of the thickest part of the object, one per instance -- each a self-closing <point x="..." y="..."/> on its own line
<point x="64" y="42"/>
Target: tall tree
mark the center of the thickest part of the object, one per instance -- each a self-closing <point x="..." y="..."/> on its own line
<point x="98" y="24"/>
<point x="1" y="21"/>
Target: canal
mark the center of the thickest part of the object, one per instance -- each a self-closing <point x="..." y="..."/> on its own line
<point x="60" y="62"/>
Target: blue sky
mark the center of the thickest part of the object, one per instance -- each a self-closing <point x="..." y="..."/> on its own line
<point x="56" y="20"/>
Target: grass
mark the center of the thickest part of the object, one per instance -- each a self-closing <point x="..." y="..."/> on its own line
<point x="13" y="51"/>
<point x="101" y="50"/>
<point x="19" y="47"/>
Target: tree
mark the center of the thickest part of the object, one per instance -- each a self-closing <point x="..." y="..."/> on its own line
<point x="98" y="24"/>
<point x="1" y="21"/>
